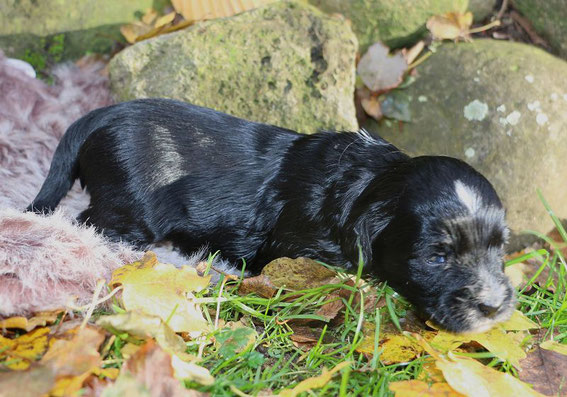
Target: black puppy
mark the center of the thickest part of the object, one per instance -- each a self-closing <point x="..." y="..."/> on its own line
<point x="159" y="169"/>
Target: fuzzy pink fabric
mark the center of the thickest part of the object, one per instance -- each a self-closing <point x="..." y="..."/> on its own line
<point x="46" y="261"/>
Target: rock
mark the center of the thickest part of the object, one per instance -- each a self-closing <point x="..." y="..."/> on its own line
<point x="286" y="64"/>
<point x="549" y="18"/>
<point x="396" y="23"/>
<point x="481" y="9"/>
<point x="502" y="107"/>
<point x="69" y="28"/>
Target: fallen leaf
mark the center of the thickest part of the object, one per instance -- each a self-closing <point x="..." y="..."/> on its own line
<point x="451" y="26"/>
<point x="398" y="348"/>
<point x="315" y="382"/>
<point x="234" y="338"/>
<point x="554" y="347"/>
<point x="546" y="370"/>
<point x="76" y="356"/>
<point x="260" y="285"/>
<point x="164" y="20"/>
<point x="471" y="378"/>
<point x="132" y="31"/>
<point x="149" y="373"/>
<point x="418" y="388"/>
<point x="412" y="53"/>
<point x="305" y="337"/>
<point x="199" y="10"/>
<point x="372" y="107"/>
<point x="298" y="274"/>
<point x="40" y="319"/>
<point x="183" y="370"/>
<point x="145" y="326"/>
<point x="36" y="381"/>
<point x="163" y="290"/>
<point x="518" y="322"/>
<point x="18" y="353"/>
<point x="506" y="346"/>
<point x="380" y="71"/>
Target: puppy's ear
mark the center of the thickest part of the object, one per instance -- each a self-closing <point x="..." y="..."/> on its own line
<point x="368" y="229"/>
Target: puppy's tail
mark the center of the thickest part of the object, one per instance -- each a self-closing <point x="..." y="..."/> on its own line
<point x="64" y="165"/>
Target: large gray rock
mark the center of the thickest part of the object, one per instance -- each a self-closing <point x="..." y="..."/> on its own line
<point x="286" y="64"/>
<point x="397" y="22"/>
<point x="549" y="18"/>
<point x="502" y="107"/>
<point x="65" y="28"/>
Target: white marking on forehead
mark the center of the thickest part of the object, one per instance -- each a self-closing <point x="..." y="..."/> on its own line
<point x="468" y="196"/>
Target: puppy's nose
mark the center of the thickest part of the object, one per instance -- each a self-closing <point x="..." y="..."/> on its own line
<point x="488" y="310"/>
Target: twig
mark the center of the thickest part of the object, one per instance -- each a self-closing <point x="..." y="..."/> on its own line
<point x="99" y="285"/>
<point x="502" y="10"/>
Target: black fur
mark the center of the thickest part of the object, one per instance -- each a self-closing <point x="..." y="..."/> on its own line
<point x="159" y="169"/>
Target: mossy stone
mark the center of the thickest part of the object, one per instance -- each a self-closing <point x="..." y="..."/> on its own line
<point x="286" y="64"/>
<point x="502" y="107"/>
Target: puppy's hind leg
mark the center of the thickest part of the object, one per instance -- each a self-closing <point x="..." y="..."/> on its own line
<point x="118" y="226"/>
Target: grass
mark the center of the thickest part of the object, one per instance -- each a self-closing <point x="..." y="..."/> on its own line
<point x="274" y="362"/>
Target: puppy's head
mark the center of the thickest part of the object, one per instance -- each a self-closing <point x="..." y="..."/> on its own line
<point x="443" y="248"/>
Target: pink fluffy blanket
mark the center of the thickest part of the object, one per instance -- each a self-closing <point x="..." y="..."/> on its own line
<point x="46" y="261"/>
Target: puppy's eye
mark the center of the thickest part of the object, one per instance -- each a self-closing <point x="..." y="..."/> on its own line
<point x="437" y="259"/>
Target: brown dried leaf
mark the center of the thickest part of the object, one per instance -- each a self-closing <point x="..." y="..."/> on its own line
<point x="76" y="356"/>
<point x="451" y="26"/>
<point x="298" y="274"/>
<point x="305" y="337"/>
<point x="380" y="71"/>
<point x="412" y="53"/>
<point x="149" y="370"/>
<point x="260" y="285"/>
<point x="372" y="107"/>
<point x="36" y="381"/>
<point x="545" y="370"/>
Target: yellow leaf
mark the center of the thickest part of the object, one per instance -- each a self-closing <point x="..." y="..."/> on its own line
<point x="554" y="346"/>
<point x="39" y="319"/>
<point x="147" y="262"/>
<point x="110" y="373"/>
<point x="314" y="382"/>
<point x="505" y="346"/>
<point x="452" y="25"/>
<point x="165" y="291"/>
<point x="471" y="378"/>
<point x="198" y="10"/>
<point x="417" y="388"/>
<point x="20" y="352"/>
<point x="150" y="16"/>
<point x="145" y="326"/>
<point x="75" y="356"/>
<point x="518" y="322"/>
<point x="399" y="349"/>
<point x="132" y="31"/>
<point x="164" y="20"/>
<point x="69" y="386"/>
<point x="190" y="371"/>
